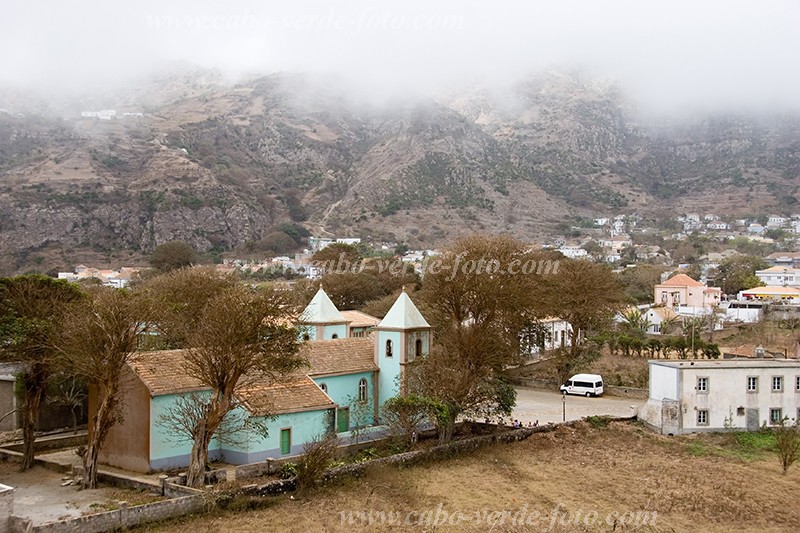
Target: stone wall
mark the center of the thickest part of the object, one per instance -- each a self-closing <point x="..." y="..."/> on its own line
<point x="121" y="518"/>
<point x="627" y="392"/>
<point x="6" y="508"/>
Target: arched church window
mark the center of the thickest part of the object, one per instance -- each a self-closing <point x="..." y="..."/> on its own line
<point x="418" y="348"/>
<point x="389" y="348"/>
<point x="362" y="390"/>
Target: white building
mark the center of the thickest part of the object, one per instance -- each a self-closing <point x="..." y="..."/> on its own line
<point x="551" y="333"/>
<point x="714" y="395"/>
<point x="779" y="276"/>
<point x="573" y="252"/>
<point x="775" y="221"/>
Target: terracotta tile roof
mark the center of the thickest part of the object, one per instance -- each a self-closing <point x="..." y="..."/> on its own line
<point x="681" y="280"/>
<point x="358" y="319"/>
<point x="162" y="372"/>
<point x="294" y="394"/>
<point x="341" y="356"/>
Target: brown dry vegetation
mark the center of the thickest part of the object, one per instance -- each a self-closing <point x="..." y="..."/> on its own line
<point x="693" y="483"/>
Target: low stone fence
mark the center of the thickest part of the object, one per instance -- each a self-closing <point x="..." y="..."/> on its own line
<point x="408" y="458"/>
<point x="188" y="501"/>
<point x="627" y="392"/>
<point x="536" y="383"/>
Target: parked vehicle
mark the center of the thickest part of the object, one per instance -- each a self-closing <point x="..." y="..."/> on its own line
<point x="584" y="385"/>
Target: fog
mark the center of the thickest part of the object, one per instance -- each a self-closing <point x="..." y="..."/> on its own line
<point x="668" y="55"/>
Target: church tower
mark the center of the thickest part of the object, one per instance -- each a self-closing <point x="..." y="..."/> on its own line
<point x="402" y="336"/>
<point x="322" y="320"/>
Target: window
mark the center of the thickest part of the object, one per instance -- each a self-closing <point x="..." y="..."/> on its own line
<point x="797" y="383"/>
<point x="702" y="417"/>
<point x="324" y="387"/>
<point x="335" y="336"/>
<point x="306" y="337"/>
<point x="775" y="415"/>
<point x="702" y="384"/>
<point x="362" y="390"/>
<point x="752" y="384"/>
<point x="389" y="348"/>
<point x="418" y="348"/>
<point x="777" y="383"/>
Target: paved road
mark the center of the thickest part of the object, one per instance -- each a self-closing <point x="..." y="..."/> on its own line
<point x="546" y="406"/>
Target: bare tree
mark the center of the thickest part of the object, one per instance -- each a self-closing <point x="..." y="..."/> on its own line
<point x="32" y="310"/>
<point x="479" y="308"/>
<point x="243" y="336"/>
<point x="175" y="302"/>
<point x="98" y="341"/>
<point x="787" y="443"/>
<point x="586" y="295"/>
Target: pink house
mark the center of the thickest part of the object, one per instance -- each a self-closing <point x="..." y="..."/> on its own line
<point x="683" y="290"/>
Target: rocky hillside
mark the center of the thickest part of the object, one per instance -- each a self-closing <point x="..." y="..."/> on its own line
<point x="231" y="166"/>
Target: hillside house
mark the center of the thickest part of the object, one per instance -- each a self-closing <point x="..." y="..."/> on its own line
<point x="779" y="276"/>
<point x="680" y="290"/>
<point x="716" y="395"/>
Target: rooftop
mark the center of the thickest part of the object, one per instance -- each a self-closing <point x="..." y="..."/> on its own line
<point x="341" y="356"/>
<point x="403" y="315"/>
<point x="321" y="310"/>
<point x="752" y="362"/>
<point x="681" y="280"/>
<point x="358" y="319"/>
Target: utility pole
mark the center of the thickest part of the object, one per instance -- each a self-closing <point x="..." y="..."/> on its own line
<point x="564" y="407"/>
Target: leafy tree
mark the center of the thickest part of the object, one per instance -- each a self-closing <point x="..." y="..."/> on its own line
<point x="738" y="273"/>
<point x="32" y="311"/>
<point x="337" y="257"/>
<point x="97" y="342"/>
<point x="175" y="302"/>
<point x="586" y="295"/>
<point x="638" y="282"/>
<point x="404" y="415"/>
<point x="242" y="337"/>
<point x="172" y="256"/>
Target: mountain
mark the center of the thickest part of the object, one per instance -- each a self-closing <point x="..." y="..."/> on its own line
<point x="223" y="166"/>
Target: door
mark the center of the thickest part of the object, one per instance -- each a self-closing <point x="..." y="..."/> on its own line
<point x="751" y="419"/>
<point x="343" y="420"/>
<point x="286" y="441"/>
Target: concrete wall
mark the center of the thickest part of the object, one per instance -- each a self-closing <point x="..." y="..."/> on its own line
<point x="8" y="402"/>
<point x="727" y="393"/>
<point x="167" y="447"/>
<point x="127" y="444"/>
<point x="663" y="382"/>
<point x="122" y="518"/>
<point x="6" y="508"/>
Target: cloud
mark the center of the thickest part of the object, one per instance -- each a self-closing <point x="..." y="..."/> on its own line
<point x="667" y="53"/>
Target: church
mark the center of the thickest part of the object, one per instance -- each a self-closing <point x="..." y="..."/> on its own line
<point x="356" y="363"/>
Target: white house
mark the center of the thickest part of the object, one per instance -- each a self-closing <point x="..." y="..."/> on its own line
<point x="775" y="221"/>
<point x="573" y="252"/>
<point x="779" y="276"/>
<point x="714" y="395"/>
<point x="551" y="333"/>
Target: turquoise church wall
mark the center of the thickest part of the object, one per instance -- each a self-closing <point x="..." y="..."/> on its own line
<point x="166" y="451"/>
<point x="388" y="377"/>
<point x="305" y="427"/>
<point x="327" y="332"/>
<point x="344" y="390"/>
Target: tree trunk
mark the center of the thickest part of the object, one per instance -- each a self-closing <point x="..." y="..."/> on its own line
<point x="447" y="428"/>
<point x="196" y="474"/>
<point x="34" y="383"/>
<point x="104" y="420"/>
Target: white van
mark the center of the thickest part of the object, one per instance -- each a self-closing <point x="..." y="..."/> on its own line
<point x="584" y="385"/>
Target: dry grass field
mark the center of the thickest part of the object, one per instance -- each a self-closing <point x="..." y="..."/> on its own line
<point x="586" y="478"/>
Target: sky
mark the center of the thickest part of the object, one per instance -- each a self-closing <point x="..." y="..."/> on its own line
<point x="668" y="55"/>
